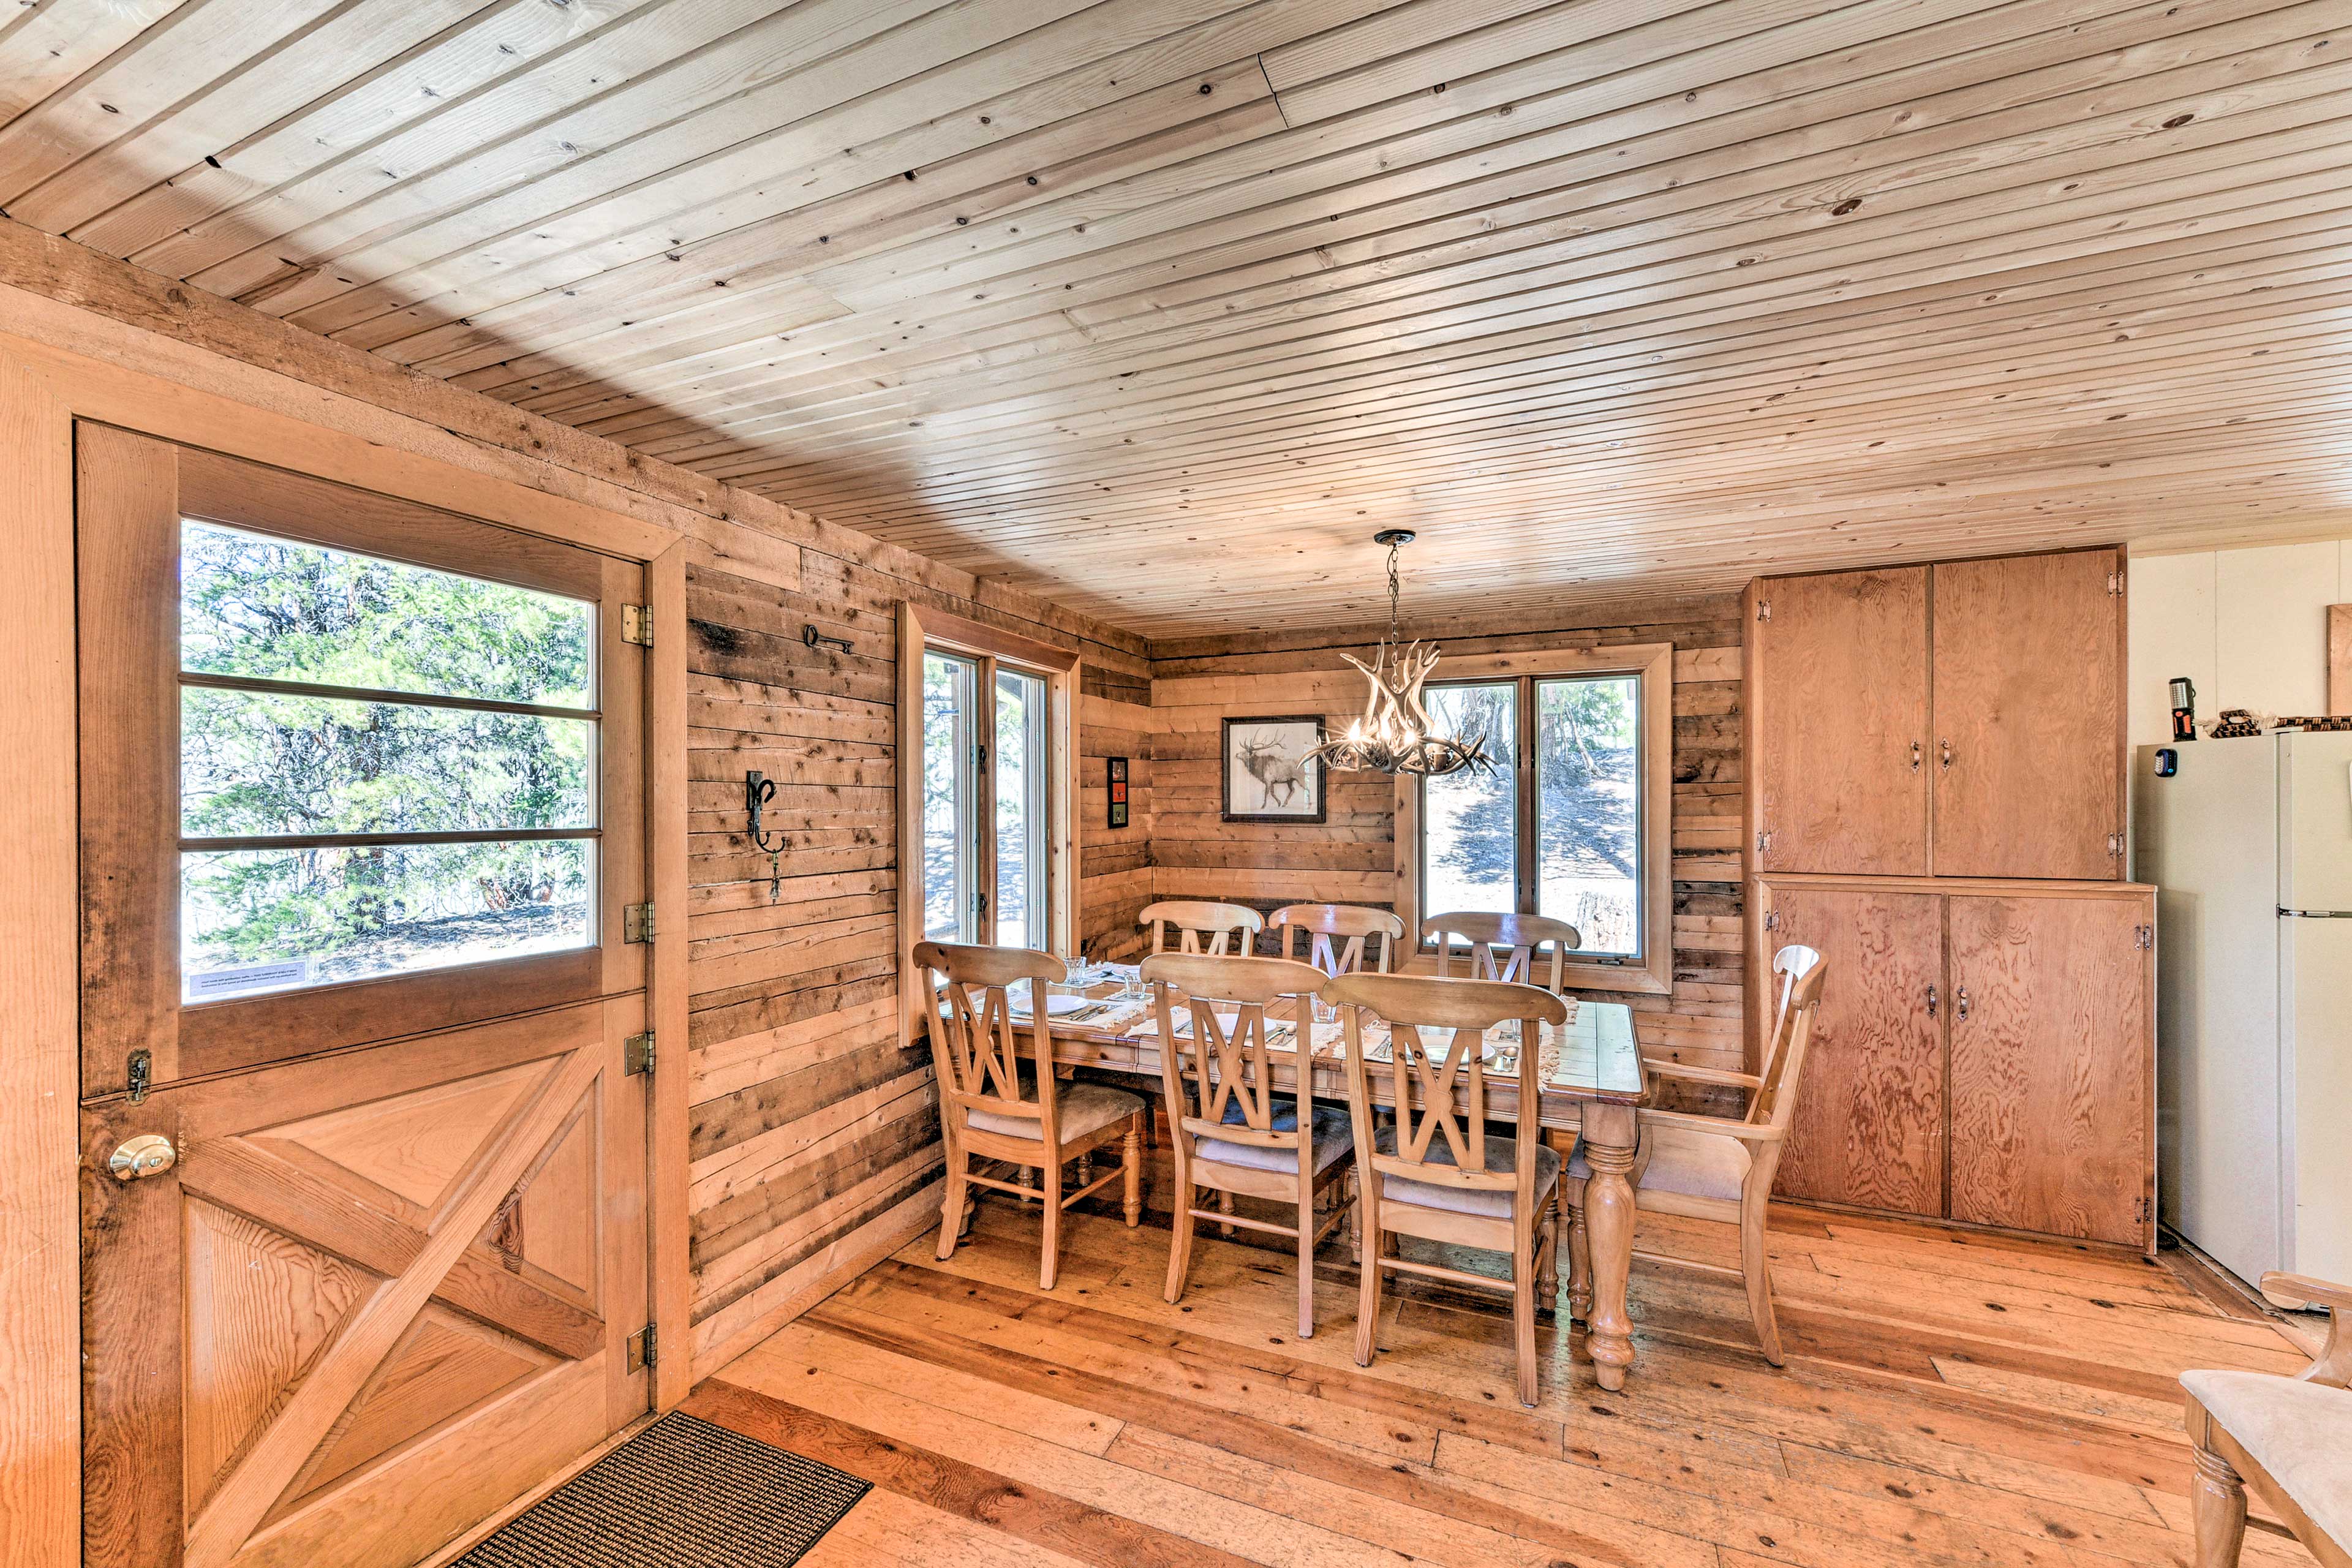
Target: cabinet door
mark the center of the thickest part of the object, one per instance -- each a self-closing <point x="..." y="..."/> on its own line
<point x="1841" y="723"/>
<point x="2029" y="717"/>
<point x="2051" y="1066"/>
<point x="1869" y="1123"/>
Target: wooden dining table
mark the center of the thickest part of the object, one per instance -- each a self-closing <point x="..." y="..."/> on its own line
<point x="1591" y="1087"/>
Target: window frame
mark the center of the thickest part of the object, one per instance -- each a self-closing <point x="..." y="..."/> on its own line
<point x="921" y="630"/>
<point x="132" y="840"/>
<point x="1651" y="665"/>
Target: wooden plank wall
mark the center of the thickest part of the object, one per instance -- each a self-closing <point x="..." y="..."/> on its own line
<point x="1115" y="720"/>
<point x="809" y="1120"/>
<point x="1351" y="857"/>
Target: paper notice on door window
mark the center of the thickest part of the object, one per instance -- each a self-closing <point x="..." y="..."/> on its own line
<point x="216" y="983"/>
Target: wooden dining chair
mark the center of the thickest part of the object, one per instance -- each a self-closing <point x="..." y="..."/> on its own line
<point x="1435" y="1171"/>
<point x="1232" y="1134"/>
<point x="2288" y="1440"/>
<point x="1520" y="937"/>
<point x="991" y="1109"/>
<point x="1716" y="1167"/>
<point x="1199" y="922"/>
<point x="1337" y="935"/>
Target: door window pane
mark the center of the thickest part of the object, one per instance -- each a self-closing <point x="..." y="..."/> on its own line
<point x="274" y="919"/>
<point x="283" y="610"/>
<point x="951" y="806"/>
<point x="1588" y="809"/>
<point x="1020" y="809"/>
<point x="1470" y="819"/>
<point x="315" y="825"/>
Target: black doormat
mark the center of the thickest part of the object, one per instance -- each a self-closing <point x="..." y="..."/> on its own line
<point x="680" y="1494"/>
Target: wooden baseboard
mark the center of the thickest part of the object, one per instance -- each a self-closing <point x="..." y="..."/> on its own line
<point x="839" y="1264"/>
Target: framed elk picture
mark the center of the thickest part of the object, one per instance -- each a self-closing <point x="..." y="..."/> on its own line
<point x="1268" y="775"/>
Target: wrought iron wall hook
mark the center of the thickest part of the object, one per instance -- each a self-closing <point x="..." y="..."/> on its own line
<point x="815" y="638"/>
<point x="757" y="791"/>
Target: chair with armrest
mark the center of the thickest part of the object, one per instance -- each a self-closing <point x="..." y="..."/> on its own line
<point x="1520" y="937"/>
<point x="1232" y="1134"/>
<point x="1435" y="1171"/>
<point x="1202" y="926"/>
<point x="994" y="1106"/>
<point x="1718" y="1167"/>
<point x="1337" y="934"/>
<point x="2288" y="1440"/>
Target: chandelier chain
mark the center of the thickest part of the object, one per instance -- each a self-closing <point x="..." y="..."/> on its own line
<point x="1392" y="591"/>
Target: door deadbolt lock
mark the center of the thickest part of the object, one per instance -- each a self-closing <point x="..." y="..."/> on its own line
<point x="149" y="1154"/>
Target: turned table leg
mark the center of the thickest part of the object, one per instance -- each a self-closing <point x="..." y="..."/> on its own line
<point x="1609" y="1138"/>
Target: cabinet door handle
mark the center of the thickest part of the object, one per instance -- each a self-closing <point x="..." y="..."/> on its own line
<point x="1934" y="1001"/>
<point x="1960" y="1001"/>
<point x="1915" y="756"/>
<point x="1945" y="746"/>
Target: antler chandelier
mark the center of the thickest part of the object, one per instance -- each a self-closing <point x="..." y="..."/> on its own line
<point x="1396" y="734"/>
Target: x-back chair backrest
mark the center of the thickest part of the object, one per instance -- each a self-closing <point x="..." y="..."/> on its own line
<point x="1353" y="926"/>
<point x="1197" y="918"/>
<point x="1802" y="970"/>
<point x="975" y="1054"/>
<point x="1437" y="1077"/>
<point x="1218" y="1063"/>
<point x="1519" y="937"/>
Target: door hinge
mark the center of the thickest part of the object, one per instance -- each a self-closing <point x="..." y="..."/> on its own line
<point x="643" y="1352"/>
<point x="979" y="756"/>
<point x="638" y="922"/>
<point x="638" y="1053"/>
<point x="637" y="625"/>
<point x="1763" y="609"/>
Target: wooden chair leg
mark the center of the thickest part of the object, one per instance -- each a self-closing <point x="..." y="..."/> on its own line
<point x="1306" y="1225"/>
<point x="1355" y="1199"/>
<point x="1132" y="1188"/>
<point x="1226" y="1206"/>
<point x="1551" y="1229"/>
<point x="1050" y="1263"/>
<point x="1368" y="1290"/>
<point x="1756" y="1271"/>
<point x="1180" y="1248"/>
<point x="1523" y="1317"/>
<point x="2217" y="1504"/>
<point x="952" y="1206"/>
<point x="1580" y="1267"/>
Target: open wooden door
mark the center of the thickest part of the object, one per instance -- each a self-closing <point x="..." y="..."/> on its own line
<point x="364" y="1239"/>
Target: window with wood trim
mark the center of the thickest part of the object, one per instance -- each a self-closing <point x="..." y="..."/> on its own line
<point x="992" y="726"/>
<point x="1571" y="823"/>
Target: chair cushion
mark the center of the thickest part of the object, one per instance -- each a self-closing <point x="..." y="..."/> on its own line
<point x="1502" y="1155"/>
<point x="1334" y="1136"/>
<point x="2299" y="1432"/>
<point x="1681" y="1161"/>
<point x="1085" y="1108"/>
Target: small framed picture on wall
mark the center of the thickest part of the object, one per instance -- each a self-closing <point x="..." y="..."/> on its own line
<point x="1268" y="776"/>
<point x="1115" y="776"/>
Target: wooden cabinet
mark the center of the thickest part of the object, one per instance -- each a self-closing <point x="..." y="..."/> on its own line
<point x="2028" y="666"/>
<point x="2052" y="1084"/>
<point x="1841" y="722"/>
<point x="1869" y="1125"/>
<point x="1959" y="719"/>
<point x="1985" y="1051"/>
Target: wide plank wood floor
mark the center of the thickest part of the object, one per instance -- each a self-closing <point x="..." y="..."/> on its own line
<point x="1949" y="1398"/>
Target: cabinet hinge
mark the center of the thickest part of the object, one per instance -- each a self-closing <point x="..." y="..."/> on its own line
<point x="2114" y="585"/>
<point x="1763" y="842"/>
<point x="637" y="625"/>
<point x="2144" y="938"/>
<point x="638" y="922"/>
<point x="638" y="1053"/>
<point x="643" y="1352"/>
<point x="1763" y="609"/>
<point x="2142" y="1210"/>
<point x="2115" y="846"/>
<point x="1772" y="920"/>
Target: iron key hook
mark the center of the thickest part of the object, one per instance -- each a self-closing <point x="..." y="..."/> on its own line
<point x="757" y="791"/>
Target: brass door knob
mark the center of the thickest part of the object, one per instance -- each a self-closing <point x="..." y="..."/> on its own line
<point x="149" y="1154"/>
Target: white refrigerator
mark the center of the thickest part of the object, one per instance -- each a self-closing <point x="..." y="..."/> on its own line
<point x="2250" y="845"/>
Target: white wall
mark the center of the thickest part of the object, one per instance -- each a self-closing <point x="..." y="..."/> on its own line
<point x="2248" y="626"/>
